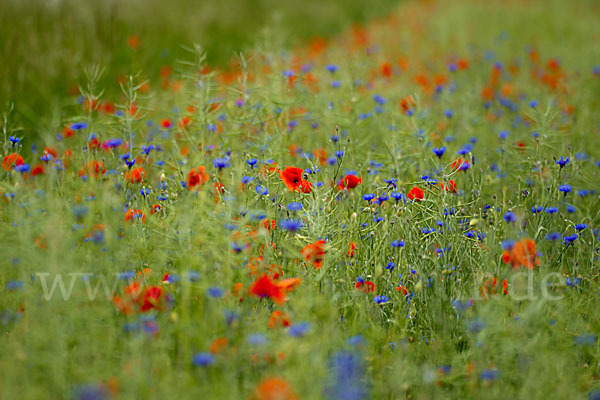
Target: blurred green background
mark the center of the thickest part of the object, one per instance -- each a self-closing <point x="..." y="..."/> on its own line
<point x="46" y="45"/>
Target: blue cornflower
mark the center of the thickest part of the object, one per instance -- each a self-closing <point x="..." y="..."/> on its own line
<point x="391" y="182"/>
<point x="477" y="325"/>
<point x="368" y="196"/>
<point x="91" y="392"/>
<point x="580" y="227"/>
<point x="221" y="162"/>
<point x="23" y="168"/>
<point x="247" y="179"/>
<point x="465" y="149"/>
<point x="203" y="359"/>
<point x="427" y="231"/>
<point x="551" y="210"/>
<point x="251" y="162"/>
<point x="379" y="100"/>
<point x="331" y="68"/>
<point x="13" y="285"/>
<point x="298" y="330"/>
<point x="215" y="292"/>
<point x="291" y="225"/>
<point x="339" y="153"/>
<point x="570" y="209"/>
<point x="510" y="217"/>
<point x="262" y="190"/>
<point x="533" y="103"/>
<point x="147" y="149"/>
<point x="334" y="138"/>
<point x="565" y="189"/>
<point x="397" y="243"/>
<point x="448" y="113"/>
<point x="553" y="236"/>
<point x="381" y="299"/>
<point x="257" y="339"/>
<point x="236" y="247"/>
<point x="570" y="239"/>
<point x="294" y="206"/>
<point x="583" y="192"/>
<point x="335" y="84"/>
<point x="572" y="282"/>
<point x="490" y="374"/>
<point x="462" y="306"/>
<point x="130" y="162"/>
<point x="347" y="373"/>
<point x="112" y="143"/>
<point x="439" y="152"/>
<point x="390" y="266"/>
<point x="126" y="275"/>
<point x="79" y="125"/>
<point x="508" y="244"/>
<point x="396" y="196"/>
<point x="585" y="340"/>
<point x="503" y="135"/>
<point x="144" y="192"/>
<point x="562" y="161"/>
<point x="14" y="139"/>
<point x="537" y="209"/>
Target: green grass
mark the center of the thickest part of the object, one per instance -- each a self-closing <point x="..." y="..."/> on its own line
<point x="47" y="45"/>
<point x="441" y="340"/>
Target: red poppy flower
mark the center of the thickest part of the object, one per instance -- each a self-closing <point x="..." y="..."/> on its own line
<point x="314" y="253"/>
<point x="132" y="213"/>
<point x="67" y="132"/>
<point x="289" y="284"/>
<point x="386" y="69"/>
<point x="415" y="194"/>
<point x="278" y="319"/>
<point x="165" y="123"/>
<point x="489" y="287"/>
<point x="264" y="287"/>
<point x="12" y="160"/>
<point x="292" y="177"/>
<point x="273" y="389"/>
<point x="135" y="175"/>
<point x="402" y="289"/>
<point x="155" y="208"/>
<point x="196" y="177"/>
<point x="365" y="286"/>
<point x="151" y="298"/>
<point x="269" y="224"/>
<point x="349" y="182"/>
<point x="37" y="170"/>
<point x="51" y="151"/>
<point x="460" y="164"/>
<point x="450" y="187"/>
<point x="523" y="253"/>
<point x="218" y="344"/>
<point x="351" y="249"/>
<point x="93" y="168"/>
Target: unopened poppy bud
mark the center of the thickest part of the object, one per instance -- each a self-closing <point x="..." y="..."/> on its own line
<point x="162" y="177"/>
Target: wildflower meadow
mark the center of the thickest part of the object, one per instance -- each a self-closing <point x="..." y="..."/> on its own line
<point x="401" y="206"/>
